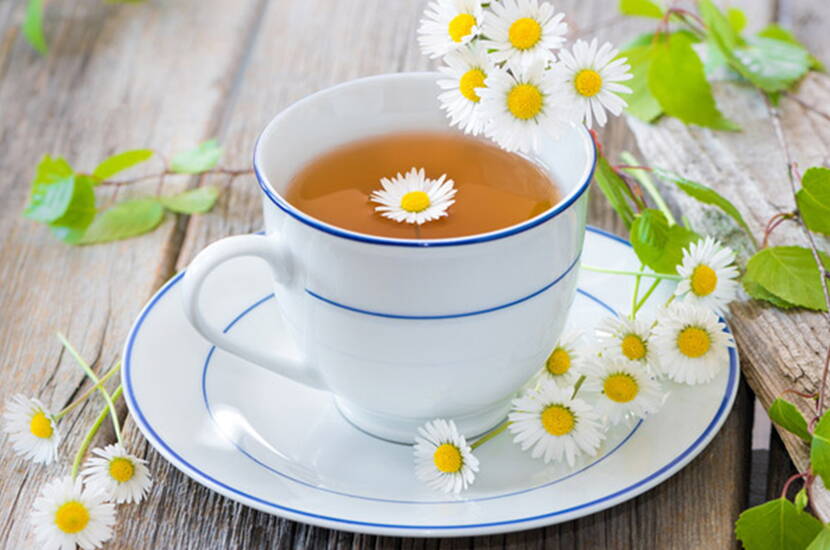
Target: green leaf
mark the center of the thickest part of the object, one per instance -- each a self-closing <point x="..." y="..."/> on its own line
<point x="801" y="499"/>
<point x="50" y="170"/>
<point x="195" y="201"/>
<point x="706" y="195"/>
<point x="820" y="449"/>
<point x="33" y="26"/>
<point x="641" y="102"/>
<point x="676" y="78"/>
<point x="822" y="541"/>
<point x="790" y="273"/>
<point x="813" y="199"/>
<point x="786" y="415"/>
<point x="754" y="289"/>
<point x="643" y="8"/>
<point x="657" y="244"/>
<point x="119" y="162"/>
<point x="737" y="19"/>
<point x="780" y="33"/>
<point x="721" y="30"/>
<point x="124" y="220"/>
<point x="614" y="189"/>
<point x="776" y="525"/>
<point x="202" y="158"/>
<point x="772" y="65"/>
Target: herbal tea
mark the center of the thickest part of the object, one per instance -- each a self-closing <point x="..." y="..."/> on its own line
<point x="495" y="189"/>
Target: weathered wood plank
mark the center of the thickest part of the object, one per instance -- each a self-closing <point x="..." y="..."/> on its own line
<point x="783" y="349"/>
<point x="109" y="83"/>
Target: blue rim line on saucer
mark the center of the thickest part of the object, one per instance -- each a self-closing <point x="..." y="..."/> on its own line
<point x="283" y="205"/>
<point x="451" y="315"/>
<point x="603" y="502"/>
<point x="273" y="470"/>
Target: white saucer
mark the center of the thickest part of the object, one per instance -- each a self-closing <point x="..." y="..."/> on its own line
<point x="282" y="448"/>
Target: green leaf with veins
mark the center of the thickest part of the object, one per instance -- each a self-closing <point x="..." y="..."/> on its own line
<point x="822" y="541"/>
<point x="642" y="8"/>
<point x="641" y="102"/>
<point x="120" y="162"/>
<point x="124" y="220"/>
<point x="776" y="525"/>
<point x="33" y="26"/>
<point x="657" y="244"/>
<point x="786" y="415"/>
<point x="755" y="290"/>
<point x="772" y="65"/>
<point x="194" y="201"/>
<point x="706" y="195"/>
<point x="677" y="80"/>
<point x="791" y="273"/>
<point x="614" y="189"/>
<point x="199" y="159"/>
<point x="780" y="33"/>
<point x="820" y="449"/>
<point x="813" y="199"/>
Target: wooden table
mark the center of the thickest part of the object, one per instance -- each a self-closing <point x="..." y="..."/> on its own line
<point x="167" y="75"/>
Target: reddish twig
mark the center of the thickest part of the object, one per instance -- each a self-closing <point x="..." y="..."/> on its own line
<point x="773" y="223"/>
<point x="215" y="171"/>
<point x="801" y="394"/>
<point x="802" y="475"/>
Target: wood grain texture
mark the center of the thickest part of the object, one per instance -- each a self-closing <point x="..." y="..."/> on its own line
<point x="169" y="74"/>
<point x="782" y="349"/>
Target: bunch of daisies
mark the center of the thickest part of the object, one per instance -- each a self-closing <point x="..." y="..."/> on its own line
<point x="78" y="509"/>
<point x="509" y="75"/>
<point x="622" y="376"/>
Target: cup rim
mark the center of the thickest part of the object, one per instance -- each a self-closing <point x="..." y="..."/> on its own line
<point x="299" y="215"/>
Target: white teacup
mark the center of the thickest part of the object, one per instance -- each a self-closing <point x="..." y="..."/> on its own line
<point x="404" y="331"/>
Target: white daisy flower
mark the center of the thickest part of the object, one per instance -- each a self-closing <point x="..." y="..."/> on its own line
<point x="564" y="364"/>
<point x="709" y="274"/>
<point x="414" y="198"/>
<point x="32" y="429"/>
<point x="122" y="476"/>
<point x="627" y="339"/>
<point x="592" y="78"/>
<point x="443" y="460"/>
<point x="625" y="389"/>
<point x="523" y="31"/>
<point x="555" y="425"/>
<point x="466" y="69"/>
<point x="65" y="515"/>
<point x="523" y="105"/>
<point x="692" y="343"/>
<point x="448" y="25"/>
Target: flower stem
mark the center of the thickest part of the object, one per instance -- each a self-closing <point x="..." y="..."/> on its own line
<point x="646" y="296"/>
<point x="636" y="292"/>
<point x="645" y="182"/>
<point x="89" y="372"/>
<point x="487" y="437"/>
<point x="79" y="456"/>
<point x="578" y="385"/>
<point x="87" y="393"/>
<point x="631" y="273"/>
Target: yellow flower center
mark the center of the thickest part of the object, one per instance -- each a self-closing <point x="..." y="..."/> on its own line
<point x="524" y="33"/>
<point x="633" y="347"/>
<point x="588" y="83"/>
<point x="620" y="387"/>
<point x="447" y="458"/>
<point x="415" y="201"/>
<point x="72" y="517"/>
<point x="558" y="420"/>
<point x="472" y="79"/>
<point x="460" y="26"/>
<point x="704" y="280"/>
<point x="121" y="469"/>
<point x="40" y="426"/>
<point x="524" y="101"/>
<point x="559" y="362"/>
<point x="693" y="342"/>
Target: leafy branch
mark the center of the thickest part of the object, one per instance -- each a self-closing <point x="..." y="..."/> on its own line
<point x="65" y="200"/>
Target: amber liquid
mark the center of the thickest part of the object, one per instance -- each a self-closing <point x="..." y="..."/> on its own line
<point x="496" y="189"/>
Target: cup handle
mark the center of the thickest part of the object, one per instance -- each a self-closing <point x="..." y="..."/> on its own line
<point x="274" y="252"/>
